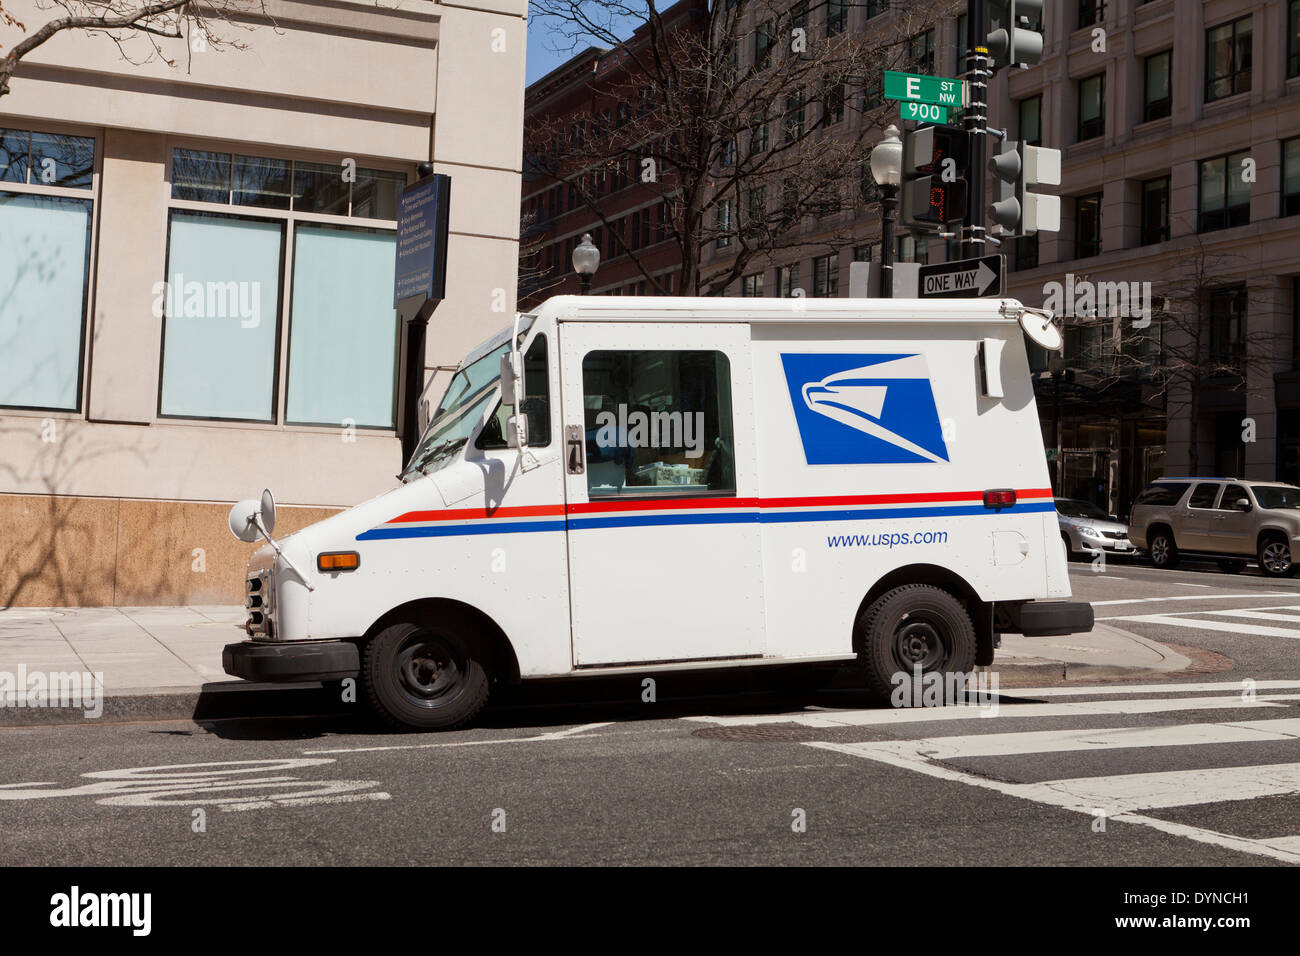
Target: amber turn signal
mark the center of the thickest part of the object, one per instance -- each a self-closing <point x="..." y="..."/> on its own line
<point x="338" y="561"/>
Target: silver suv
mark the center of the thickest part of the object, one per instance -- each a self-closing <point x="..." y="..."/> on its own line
<point x="1228" y="518"/>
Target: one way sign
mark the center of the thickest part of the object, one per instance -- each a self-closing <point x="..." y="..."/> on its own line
<point x="963" y="279"/>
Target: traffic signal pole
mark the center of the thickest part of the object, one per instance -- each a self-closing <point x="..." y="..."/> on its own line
<point x="977" y="121"/>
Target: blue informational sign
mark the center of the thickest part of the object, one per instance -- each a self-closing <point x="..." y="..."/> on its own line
<point x="864" y="409"/>
<point x="422" y="240"/>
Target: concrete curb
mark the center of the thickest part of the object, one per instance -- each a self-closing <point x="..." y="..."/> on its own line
<point x="218" y="701"/>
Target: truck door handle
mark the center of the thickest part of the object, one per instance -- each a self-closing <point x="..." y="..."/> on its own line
<point x="574" y="452"/>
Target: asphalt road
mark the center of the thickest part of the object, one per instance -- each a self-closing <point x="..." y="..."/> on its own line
<point x="732" y="770"/>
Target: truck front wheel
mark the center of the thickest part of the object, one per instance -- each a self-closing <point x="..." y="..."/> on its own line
<point x="916" y="626"/>
<point x="426" y="675"/>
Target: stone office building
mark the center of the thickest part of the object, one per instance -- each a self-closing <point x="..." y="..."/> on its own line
<point x="196" y="274"/>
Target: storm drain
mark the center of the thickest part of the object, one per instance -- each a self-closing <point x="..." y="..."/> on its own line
<point x="762" y="733"/>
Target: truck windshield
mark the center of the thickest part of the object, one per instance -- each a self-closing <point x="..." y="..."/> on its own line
<point x="1272" y="496"/>
<point x="458" y="413"/>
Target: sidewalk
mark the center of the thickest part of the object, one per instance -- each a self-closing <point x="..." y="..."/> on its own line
<point x="165" y="662"/>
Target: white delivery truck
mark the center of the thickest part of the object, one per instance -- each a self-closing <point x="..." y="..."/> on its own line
<point x="647" y="484"/>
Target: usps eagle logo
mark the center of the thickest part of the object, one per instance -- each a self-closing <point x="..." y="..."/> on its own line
<point x="864" y="409"/>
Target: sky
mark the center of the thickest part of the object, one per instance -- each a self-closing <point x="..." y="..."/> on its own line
<point x="543" y="40"/>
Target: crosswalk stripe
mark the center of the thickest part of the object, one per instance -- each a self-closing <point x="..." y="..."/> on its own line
<point x="1204" y="624"/>
<point x="1172" y="788"/>
<point x="1194" y="597"/>
<point x="864" y="718"/>
<point x="1146" y="688"/>
<point x="1259" y="615"/>
<point x="1063" y="741"/>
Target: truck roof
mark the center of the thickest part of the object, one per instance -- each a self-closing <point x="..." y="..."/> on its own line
<point x="619" y="308"/>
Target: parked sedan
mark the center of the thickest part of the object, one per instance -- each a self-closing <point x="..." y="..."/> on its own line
<point x="1086" y="529"/>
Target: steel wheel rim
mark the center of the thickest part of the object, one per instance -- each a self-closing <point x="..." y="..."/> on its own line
<point x="920" y="640"/>
<point x="1277" y="557"/>
<point x="428" y="668"/>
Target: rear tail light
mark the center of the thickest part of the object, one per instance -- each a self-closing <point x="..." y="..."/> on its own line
<point x="999" y="498"/>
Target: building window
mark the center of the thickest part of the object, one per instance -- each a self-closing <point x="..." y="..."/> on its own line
<point x="1293" y="39"/>
<point x="727" y="153"/>
<point x="756" y="202"/>
<point x="1228" y="324"/>
<point x="723" y="219"/>
<point x="1227" y="59"/>
<point x="1087" y="226"/>
<point x="959" y="60"/>
<point x="1027" y="252"/>
<point x="833" y="102"/>
<point x="793" y="125"/>
<point x="751" y="286"/>
<point x="758" y="134"/>
<point x="876" y="7"/>
<point x="1224" y="193"/>
<point x="922" y="52"/>
<point x="223" y="338"/>
<point x="1090" y="12"/>
<point x="46" y="214"/>
<point x="911" y="249"/>
<point x="787" y="280"/>
<point x="864" y="253"/>
<point x="1295" y="324"/>
<point x="1291" y="177"/>
<point x="1155" y="211"/>
<point x="826" y="276"/>
<point x="763" y="45"/>
<point x="836" y="15"/>
<point x="1156" y="97"/>
<point x="1031" y="120"/>
<point x="1092" y="107"/>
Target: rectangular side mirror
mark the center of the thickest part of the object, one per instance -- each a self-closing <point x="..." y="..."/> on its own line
<point x="1242" y="504"/>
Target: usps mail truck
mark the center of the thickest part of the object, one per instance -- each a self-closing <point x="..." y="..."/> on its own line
<point x="617" y="485"/>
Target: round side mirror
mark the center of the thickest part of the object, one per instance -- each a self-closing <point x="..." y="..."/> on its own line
<point x="268" y="511"/>
<point x="1242" y="504"/>
<point x="241" y="520"/>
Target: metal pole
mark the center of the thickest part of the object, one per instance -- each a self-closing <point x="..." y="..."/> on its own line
<point x="414" y="381"/>
<point x="1056" y="431"/>
<point x="977" y="121"/>
<point x="584" y="284"/>
<point x="889" y="207"/>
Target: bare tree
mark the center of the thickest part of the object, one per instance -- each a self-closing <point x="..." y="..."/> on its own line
<point x="203" y="24"/>
<point x="733" y="116"/>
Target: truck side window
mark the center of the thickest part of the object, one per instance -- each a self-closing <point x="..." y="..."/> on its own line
<point x="1204" y="495"/>
<point x="658" y="422"/>
<point x="537" y="404"/>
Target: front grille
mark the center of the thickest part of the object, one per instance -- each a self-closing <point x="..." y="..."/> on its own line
<point x="259" y="599"/>
<point x="1117" y="535"/>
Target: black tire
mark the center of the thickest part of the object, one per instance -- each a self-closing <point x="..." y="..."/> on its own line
<point x="1069" y="551"/>
<point x="915" y="623"/>
<point x="1231" y="565"/>
<point x="1274" y="556"/>
<point x="1162" y="549"/>
<point x="426" y="676"/>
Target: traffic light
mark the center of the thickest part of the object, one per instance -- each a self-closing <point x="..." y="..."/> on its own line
<point x="1014" y="36"/>
<point x="1018" y="210"/>
<point x="935" y="169"/>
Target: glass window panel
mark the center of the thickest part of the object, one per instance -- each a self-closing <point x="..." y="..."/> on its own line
<point x="13" y="155"/>
<point x="376" y="192"/>
<point x="260" y="182"/>
<point x="62" y="160"/>
<point x="221" y="311"/>
<point x="1157" y="76"/>
<point x="320" y="187"/>
<point x="1031" y="120"/>
<point x="658" y="422"/>
<point x="1291" y="167"/>
<point x="1238" y="188"/>
<point x="43" y="272"/>
<point x="201" y="176"/>
<point x="1212" y="184"/>
<point x="343" y="328"/>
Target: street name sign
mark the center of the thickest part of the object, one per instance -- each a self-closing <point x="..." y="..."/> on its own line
<point x="923" y="112"/>
<point x="963" y="279"/>
<point x="939" y="90"/>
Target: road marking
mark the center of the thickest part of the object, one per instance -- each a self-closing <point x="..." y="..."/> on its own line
<point x="303" y="801"/>
<point x="1146" y="689"/>
<point x="1065" y="741"/>
<point x="1226" y="627"/>
<point x="1195" y="597"/>
<point x="866" y="718"/>
<point x="1184" y="584"/>
<point x="554" y="735"/>
<point x="1262" y="614"/>
<point x="1270" y="780"/>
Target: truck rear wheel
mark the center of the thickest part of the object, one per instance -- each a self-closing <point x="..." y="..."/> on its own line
<point x="426" y="675"/>
<point x="916" y="625"/>
<point x="1275" y="556"/>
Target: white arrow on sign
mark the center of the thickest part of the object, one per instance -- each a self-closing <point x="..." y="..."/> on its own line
<point x="975" y="280"/>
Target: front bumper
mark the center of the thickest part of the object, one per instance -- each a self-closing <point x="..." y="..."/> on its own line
<point x="1047" y="618"/>
<point x="290" y="662"/>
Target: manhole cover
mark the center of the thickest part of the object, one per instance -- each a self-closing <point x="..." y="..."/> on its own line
<point x="761" y="733"/>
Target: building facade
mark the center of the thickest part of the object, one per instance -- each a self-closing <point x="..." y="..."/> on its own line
<point x="197" y="255"/>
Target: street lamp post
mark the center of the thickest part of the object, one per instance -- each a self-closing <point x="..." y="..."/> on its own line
<point x="886" y="170"/>
<point x="586" y="260"/>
